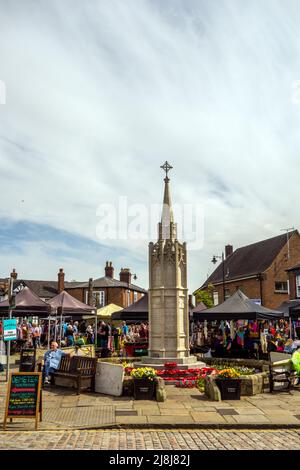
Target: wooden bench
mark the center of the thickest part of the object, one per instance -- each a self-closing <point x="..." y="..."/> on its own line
<point x="80" y="370"/>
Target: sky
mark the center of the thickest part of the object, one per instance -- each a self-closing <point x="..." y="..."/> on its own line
<point x="95" y="96"/>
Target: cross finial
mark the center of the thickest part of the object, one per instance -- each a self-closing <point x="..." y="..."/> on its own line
<point x="166" y="167"/>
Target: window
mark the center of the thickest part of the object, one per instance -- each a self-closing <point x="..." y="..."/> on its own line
<point x="216" y="297"/>
<point x="281" y="286"/>
<point x="98" y="297"/>
<point x="135" y="296"/>
<point x="227" y="294"/>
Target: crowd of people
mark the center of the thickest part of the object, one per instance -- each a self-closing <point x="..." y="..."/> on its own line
<point x="252" y="339"/>
<point x="39" y="334"/>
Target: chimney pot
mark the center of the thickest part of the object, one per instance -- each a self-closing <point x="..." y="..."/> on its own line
<point x="90" y="292"/>
<point x="125" y="275"/>
<point x="109" y="270"/>
<point x="61" y="280"/>
<point x="14" y="275"/>
<point x="228" y="250"/>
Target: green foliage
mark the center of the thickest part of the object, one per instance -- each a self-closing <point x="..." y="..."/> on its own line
<point x="204" y="296"/>
<point x="143" y="373"/>
<point x="241" y="370"/>
<point x="200" y="384"/>
<point x="228" y="374"/>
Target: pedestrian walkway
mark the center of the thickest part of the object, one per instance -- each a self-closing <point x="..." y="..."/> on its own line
<point x="63" y="409"/>
<point x="178" y="439"/>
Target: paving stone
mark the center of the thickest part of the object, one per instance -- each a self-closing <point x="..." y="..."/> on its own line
<point x="249" y="411"/>
<point x="251" y="419"/>
<point x="126" y="412"/>
<point x="204" y="408"/>
<point x="170" y="419"/>
<point x="209" y="417"/>
<point x="131" y="419"/>
<point x="167" y="406"/>
<point x="167" y="411"/>
<point x="227" y="411"/>
<point x="229" y="419"/>
<point x="153" y="406"/>
<point x="124" y="406"/>
<point x="279" y="419"/>
<point x="149" y="412"/>
<point x="278" y="412"/>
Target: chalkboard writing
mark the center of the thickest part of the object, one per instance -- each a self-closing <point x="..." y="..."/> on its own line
<point x="23" y="395"/>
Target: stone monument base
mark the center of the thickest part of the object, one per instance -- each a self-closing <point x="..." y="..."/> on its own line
<point x="158" y="363"/>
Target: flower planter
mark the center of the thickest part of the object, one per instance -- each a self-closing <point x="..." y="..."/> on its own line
<point x="230" y="388"/>
<point x="143" y="389"/>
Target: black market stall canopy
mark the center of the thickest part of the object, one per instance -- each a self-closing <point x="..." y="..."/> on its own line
<point x="291" y="308"/>
<point x="27" y="304"/>
<point x="135" y="313"/>
<point x="238" y="307"/>
<point x="69" y="306"/>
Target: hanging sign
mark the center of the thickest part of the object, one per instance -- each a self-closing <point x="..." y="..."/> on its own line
<point x="10" y="329"/>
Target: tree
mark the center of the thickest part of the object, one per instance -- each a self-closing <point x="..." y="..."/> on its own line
<point x="205" y="296"/>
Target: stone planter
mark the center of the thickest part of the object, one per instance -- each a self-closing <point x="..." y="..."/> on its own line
<point x="230" y="388"/>
<point x="159" y="388"/>
<point x="250" y="385"/>
<point x="143" y="389"/>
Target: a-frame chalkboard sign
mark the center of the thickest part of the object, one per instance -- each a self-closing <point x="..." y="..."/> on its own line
<point x="23" y="398"/>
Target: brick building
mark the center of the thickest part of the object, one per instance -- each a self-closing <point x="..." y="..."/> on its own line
<point x="106" y="290"/>
<point x="98" y="292"/>
<point x="260" y="270"/>
<point x="294" y="281"/>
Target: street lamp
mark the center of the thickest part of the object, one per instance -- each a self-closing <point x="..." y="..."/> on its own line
<point x="214" y="260"/>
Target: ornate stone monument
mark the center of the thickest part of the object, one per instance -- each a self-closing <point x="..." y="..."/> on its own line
<point x="168" y="293"/>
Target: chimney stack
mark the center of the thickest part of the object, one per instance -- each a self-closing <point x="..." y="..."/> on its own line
<point x="14" y="275"/>
<point x="109" y="270"/>
<point x="228" y="250"/>
<point x="90" y="292"/>
<point x="61" y="280"/>
<point x="125" y="275"/>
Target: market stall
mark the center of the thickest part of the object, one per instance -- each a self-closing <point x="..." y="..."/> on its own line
<point x="65" y="304"/>
<point x="135" y="313"/>
<point x="240" y="326"/>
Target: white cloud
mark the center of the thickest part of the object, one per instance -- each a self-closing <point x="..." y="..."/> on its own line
<point x="99" y="94"/>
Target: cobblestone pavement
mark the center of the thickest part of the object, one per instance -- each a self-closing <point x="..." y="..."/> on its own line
<point x="152" y="440"/>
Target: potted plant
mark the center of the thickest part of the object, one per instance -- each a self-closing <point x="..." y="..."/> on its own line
<point x="143" y="382"/>
<point x="229" y="384"/>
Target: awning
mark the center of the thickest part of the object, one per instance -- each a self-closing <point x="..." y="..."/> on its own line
<point x="135" y="313"/>
<point x="238" y="307"/>
<point x="69" y="305"/>
<point x="27" y="304"/>
<point x="108" y="310"/>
